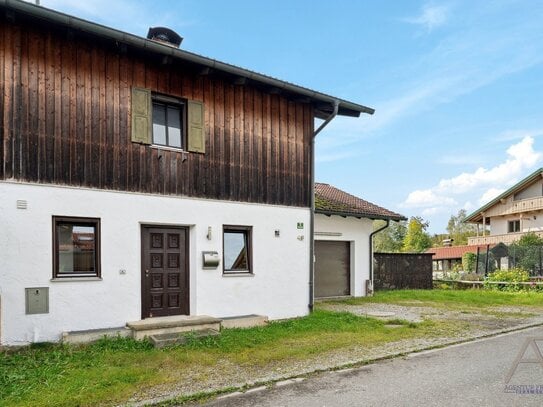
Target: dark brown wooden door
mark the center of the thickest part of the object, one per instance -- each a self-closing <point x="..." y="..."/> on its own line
<point x="332" y="268"/>
<point x="165" y="272"/>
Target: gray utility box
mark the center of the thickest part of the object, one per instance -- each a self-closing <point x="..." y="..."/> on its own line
<point x="37" y="300"/>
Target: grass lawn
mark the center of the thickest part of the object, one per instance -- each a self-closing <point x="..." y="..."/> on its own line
<point x="111" y="371"/>
<point x="453" y="299"/>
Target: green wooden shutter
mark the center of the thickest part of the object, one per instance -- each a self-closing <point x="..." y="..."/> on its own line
<point x="195" y="127"/>
<point x="142" y="116"/>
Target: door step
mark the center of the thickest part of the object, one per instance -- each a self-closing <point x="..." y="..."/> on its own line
<point x="172" y="325"/>
<point x="180" y="338"/>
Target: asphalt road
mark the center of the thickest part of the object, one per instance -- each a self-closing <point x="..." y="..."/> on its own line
<point x="472" y="374"/>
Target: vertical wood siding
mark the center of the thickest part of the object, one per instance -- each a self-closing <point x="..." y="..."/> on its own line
<point x="65" y="119"/>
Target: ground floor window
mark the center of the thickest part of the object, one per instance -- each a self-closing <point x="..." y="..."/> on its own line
<point x="76" y="247"/>
<point x="237" y="242"/>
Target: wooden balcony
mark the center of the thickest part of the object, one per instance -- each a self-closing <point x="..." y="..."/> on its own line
<point x="510" y="207"/>
<point x="507" y="238"/>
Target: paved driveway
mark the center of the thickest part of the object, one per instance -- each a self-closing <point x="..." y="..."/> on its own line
<point x="471" y="374"/>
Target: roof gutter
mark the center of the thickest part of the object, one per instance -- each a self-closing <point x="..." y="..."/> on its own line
<point x="369" y="289"/>
<point x="312" y="202"/>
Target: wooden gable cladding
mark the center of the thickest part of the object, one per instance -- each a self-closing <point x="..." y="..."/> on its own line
<point x="66" y="119"/>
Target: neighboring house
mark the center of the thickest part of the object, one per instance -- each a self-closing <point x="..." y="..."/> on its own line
<point x="138" y="180"/>
<point x="517" y="211"/>
<point x="343" y="242"/>
<point x="446" y="258"/>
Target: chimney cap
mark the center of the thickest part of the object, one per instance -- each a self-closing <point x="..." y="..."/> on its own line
<point x="165" y="35"/>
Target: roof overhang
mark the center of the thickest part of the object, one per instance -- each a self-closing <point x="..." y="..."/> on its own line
<point x="360" y="215"/>
<point x="478" y="215"/>
<point x="323" y="104"/>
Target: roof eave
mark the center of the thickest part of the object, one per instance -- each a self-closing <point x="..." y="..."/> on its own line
<point x="360" y="215"/>
<point x="346" y="108"/>
<point x="476" y="216"/>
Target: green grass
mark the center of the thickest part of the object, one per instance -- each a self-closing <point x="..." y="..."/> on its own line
<point x="113" y="370"/>
<point x="452" y="299"/>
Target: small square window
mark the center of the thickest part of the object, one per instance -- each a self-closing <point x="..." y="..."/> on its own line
<point x="237" y="249"/>
<point x="76" y="247"/>
<point x="168" y="124"/>
<point x="513" y="226"/>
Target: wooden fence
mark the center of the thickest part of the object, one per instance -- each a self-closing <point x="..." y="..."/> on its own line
<point x="402" y="270"/>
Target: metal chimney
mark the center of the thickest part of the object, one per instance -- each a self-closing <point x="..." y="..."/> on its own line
<point x="164" y="35"/>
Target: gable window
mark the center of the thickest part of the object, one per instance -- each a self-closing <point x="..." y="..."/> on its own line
<point x="76" y="247"/>
<point x="237" y="241"/>
<point x="513" y="226"/>
<point x="167" y="124"/>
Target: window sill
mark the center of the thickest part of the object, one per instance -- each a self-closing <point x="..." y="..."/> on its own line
<point x="72" y="279"/>
<point x="167" y="148"/>
<point x="240" y="274"/>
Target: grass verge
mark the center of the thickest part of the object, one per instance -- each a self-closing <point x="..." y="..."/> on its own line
<point x="452" y="299"/>
<point x="114" y="370"/>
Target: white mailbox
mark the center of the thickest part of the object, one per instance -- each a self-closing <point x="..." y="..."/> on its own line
<point x="210" y="260"/>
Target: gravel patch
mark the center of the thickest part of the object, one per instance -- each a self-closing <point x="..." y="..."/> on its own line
<point x="478" y="324"/>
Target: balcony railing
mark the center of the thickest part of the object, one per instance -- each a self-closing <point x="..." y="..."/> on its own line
<point x="495" y="239"/>
<point x="513" y="207"/>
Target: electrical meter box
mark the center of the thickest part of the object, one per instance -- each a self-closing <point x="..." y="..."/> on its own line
<point x="37" y="300"/>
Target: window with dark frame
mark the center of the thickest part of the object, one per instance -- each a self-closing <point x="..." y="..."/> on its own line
<point x="513" y="226"/>
<point x="168" y="123"/>
<point x="237" y="241"/>
<point x="76" y="247"/>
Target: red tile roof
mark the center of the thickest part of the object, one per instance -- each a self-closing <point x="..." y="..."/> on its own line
<point x="330" y="200"/>
<point x="454" y="252"/>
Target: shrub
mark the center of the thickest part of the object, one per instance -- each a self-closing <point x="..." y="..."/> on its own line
<point x="514" y="275"/>
<point x="511" y="277"/>
<point x="468" y="261"/>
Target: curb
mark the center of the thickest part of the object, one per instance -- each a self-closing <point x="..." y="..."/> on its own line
<point x="226" y="392"/>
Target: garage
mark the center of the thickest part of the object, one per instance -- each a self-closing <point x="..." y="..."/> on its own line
<point x="332" y="268"/>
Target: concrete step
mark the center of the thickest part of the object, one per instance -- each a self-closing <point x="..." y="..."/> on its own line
<point x="162" y="340"/>
<point x="244" y="321"/>
<point x="172" y="324"/>
<point x="92" y="335"/>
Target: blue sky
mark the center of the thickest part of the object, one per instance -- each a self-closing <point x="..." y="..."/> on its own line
<point x="457" y="85"/>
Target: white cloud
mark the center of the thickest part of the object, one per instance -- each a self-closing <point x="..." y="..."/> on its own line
<point x="520" y="157"/>
<point x="489" y="195"/>
<point x="427" y="198"/>
<point x="430" y="17"/>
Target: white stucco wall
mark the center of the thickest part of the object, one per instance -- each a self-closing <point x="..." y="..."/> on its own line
<point x="357" y="232"/>
<point x="278" y="288"/>
<point x="532" y="222"/>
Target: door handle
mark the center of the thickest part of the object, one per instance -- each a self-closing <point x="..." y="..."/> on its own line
<point x="146" y="273"/>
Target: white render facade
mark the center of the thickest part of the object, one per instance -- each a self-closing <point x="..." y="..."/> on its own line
<point x="277" y="286"/>
<point x="355" y="231"/>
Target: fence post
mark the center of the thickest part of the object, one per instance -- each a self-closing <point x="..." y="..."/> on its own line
<point x="486" y="260"/>
<point x="477" y="261"/>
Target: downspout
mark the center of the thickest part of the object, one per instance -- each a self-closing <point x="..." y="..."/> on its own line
<point x="312" y="204"/>
<point x="369" y="285"/>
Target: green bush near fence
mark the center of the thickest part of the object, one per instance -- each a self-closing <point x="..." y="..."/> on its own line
<point x="511" y="278"/>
